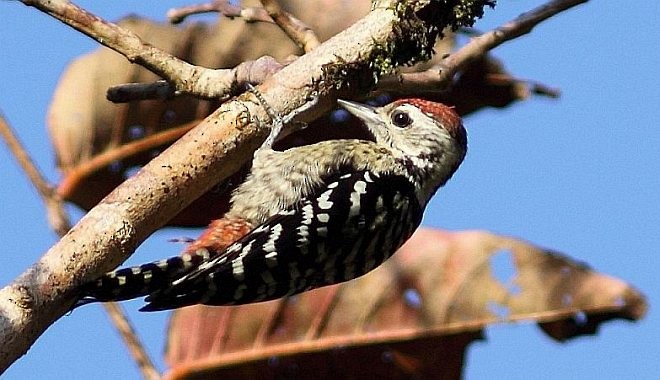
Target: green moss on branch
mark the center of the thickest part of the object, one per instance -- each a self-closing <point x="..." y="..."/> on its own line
<point x="413" y="36"/>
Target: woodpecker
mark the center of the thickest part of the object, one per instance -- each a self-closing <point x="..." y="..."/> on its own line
<point x="317" y="215"/>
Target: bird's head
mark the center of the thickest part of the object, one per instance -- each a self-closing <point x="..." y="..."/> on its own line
<point x="428" y="137"/>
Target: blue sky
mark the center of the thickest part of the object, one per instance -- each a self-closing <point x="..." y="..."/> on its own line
<point x="579" y="175"/>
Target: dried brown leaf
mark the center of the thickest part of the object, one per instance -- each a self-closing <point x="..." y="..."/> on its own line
<point x="415" y="315"/>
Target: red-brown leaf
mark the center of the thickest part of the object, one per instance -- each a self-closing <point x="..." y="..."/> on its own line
<point x="414" y="315"/>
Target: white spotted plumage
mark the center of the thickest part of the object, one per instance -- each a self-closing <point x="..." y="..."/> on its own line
<point x="323" y="217"/>
<point x="238" y="269"/>
<point x="324" y="202"/>
<point x="272" y="238"/>
<point x="308" y="214"/>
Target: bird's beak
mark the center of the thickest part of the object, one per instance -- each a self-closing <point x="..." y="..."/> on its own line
<point x="368" y="114"/>
<point x="363" y="112"/>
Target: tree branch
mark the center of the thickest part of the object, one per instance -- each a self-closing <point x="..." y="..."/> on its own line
<point x="299" y="32"/>
<point x="135" y="347"/>
<point x="59" y="221"/>
<point x="234" y="81"/>
<point x="252" y="14"/>
<point x="440" y="77"/>
<point x="57" y="216"/>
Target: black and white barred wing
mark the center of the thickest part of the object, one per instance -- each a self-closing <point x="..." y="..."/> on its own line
<point x="350" y="227"/>
<point x="139" y="281"/>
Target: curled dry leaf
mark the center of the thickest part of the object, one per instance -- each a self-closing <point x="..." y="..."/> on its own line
<point x="413" y="316"/>
<point x="99" y="144"/>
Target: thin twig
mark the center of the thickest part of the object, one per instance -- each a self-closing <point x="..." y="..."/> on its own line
<point x="297" y="30"/>
<point x="252" y="14"/>
<point x="123" y="325"/>
<point x="159" y="90"/>
<point x="440" y="77"/>
<point x="532" y="85"/>
<point x="56" y="214"/>
<point x="248" y="72"/>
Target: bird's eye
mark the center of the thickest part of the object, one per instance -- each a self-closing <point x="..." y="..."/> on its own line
<point x="401" y="119"/>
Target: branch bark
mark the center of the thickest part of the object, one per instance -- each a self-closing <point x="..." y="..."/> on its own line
<point x="59" y="221"/>
<point x="224" y="7"/>
<point x="300" y="33"/>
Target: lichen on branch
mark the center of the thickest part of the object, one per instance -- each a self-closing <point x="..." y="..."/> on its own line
<point x="419" y="24"/>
